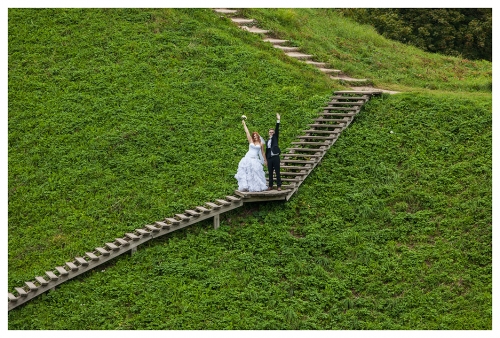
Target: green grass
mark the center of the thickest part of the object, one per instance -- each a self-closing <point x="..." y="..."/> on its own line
<point x="360" y="52"/>
<point x="121" y="117"/>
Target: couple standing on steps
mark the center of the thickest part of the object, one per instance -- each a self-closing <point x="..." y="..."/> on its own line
<point x="250" y="174"/>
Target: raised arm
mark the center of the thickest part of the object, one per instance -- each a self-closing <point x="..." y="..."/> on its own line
<point x="249" y="138"/>
<point x="277" y="129"/>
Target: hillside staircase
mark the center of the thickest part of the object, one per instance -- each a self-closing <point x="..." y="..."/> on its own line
<point x="282" y="44"/>
<point x="297" y="163"/>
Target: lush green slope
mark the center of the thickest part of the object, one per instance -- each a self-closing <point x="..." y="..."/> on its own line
<point x="118" y="118"/>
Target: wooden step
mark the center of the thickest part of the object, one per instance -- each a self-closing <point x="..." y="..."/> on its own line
<point x="31" y="286"/>
<point x="287" y="49"/>
<point x="297" y="161"/>
<point x="298" y="55"/>
<point x="315" y="63"/>
<point x="358" y="92"/>
<point x="307" y="149"/>
<point x="102" y="251"/>
<point x="340" y="97"/>
<point x="288" y="173"/>
<point x="72" y="266"/>
<point x="21" y="292"/>
<point x="223" y="202"/>
<point x="89" y="255"/>
<point x="62" y="271"/>
<point x="326" y="125"/>
<point x="301" y="155"/>
<point x="183" y="217"/>
<point x="338" y="114"/>
<point x="315" y="137"/>
<point x="241" y="21"/>
<point x="41" y="280"/>
<point x="283" y="179"/>
<point x="340" y="108"/>
<point x="340" y="121"/>
<point x="312" y="143"/>
<point x="275" y="41"/>
<point x="329" y="70"/>
<point x="293" y="167"/>
<point x="338" y="103"/>
<point x="232" y="198"/>
<point x="152" y="228"/>
<point x="213" y="205"/>
<point x="254" y="30"/>
<point x="52" y="276"/>
<point x="317" y="131"/>
<point x="225" y="10"/>
<point x="163" y="225"/>
<point x="132" y="236"/>
<point x="192" y="213"/>
<point x="82" y="261"/>
<point x="172" y="221"/>
<point x="203" y="210"/>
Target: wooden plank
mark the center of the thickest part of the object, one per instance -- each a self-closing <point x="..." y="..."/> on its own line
<point x="62" y="271"/>
<point x="41" y="280"/>
<point x="321" y="131"/>
<point x="301" y="155"/>
<point x="51" y="275"/>
<point x="340" y="97"/>
<point x="232" y="199"/>
<point x="183" y="217"/>
<point x="326" y="125"/>
<point x="203" y="210"/>
<point x="112" y="246"/>
<point x="21" y="292"/>
<point x="152" y="228"/>
<point x="102" y="251"/>
<point x="132" y="236"/>
<point x="31" y="286"/>
<point x="341" y="122"/>
<point x="315" y="137"/>
<point x="162" y="225"/>
<point x="338" y="103"/>
<point x="312" y="143"/>
<point x="295" y="167"/>
<point x="340" y="108"/>
<point x="338" y="114"/>
<point x="173" y="221"/>
<point x="81" y="261"/>
<point x="284" y="179"/>
<point x="223" y="202"/>
<point x="358" y="92"/>
<point x="92" y="256"/>
<point x="72" y="266"/>
<point x="143" y="232"/>
<point x="213" y="205"/>
<point x="192" y="213"/>
<point x="289" y="173"/>
<point x="122" y="242"/>
<point x="297" y="161"/>
<point x="307" y="149"/>
<point x="12" y="298"/>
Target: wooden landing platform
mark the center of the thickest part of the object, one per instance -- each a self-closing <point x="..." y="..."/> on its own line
<point x="267" y="195"/>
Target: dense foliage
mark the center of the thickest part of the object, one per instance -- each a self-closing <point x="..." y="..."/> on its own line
<point x="464" y="32"/>
<point x="121" y="117"/>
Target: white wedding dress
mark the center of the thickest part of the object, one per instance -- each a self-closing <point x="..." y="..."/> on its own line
<point x="250" y="174"/>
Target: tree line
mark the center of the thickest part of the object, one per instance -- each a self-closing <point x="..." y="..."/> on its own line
<point x="462" y="32"/>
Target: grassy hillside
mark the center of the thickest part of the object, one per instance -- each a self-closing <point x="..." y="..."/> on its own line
<point x="121" y="117"/>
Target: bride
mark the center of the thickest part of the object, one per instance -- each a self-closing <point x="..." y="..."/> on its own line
<point x="250" y="174"/>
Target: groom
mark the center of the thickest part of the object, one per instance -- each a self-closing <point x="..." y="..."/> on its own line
<point x="272" y="155"/>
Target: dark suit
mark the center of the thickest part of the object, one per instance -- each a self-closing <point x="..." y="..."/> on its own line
<point x="273" y="162"/>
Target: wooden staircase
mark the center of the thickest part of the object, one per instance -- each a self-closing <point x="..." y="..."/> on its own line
<point x="308" y="151"/>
